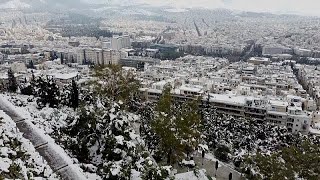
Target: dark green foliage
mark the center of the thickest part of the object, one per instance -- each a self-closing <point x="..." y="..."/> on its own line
<point x="222" y="153"/>
<point x="115" y="84"/>
<point x="61" y="58"/>
<point x="14" y="172"/>
<point x="100" y="126"/>
<point x="12" y="81"/>
<point x="27" y="90"/>
<point x="70" y="95"/>
<point x="31" y="65"/>
<point x="74" y="97"/>
<point x="48" y="92"/>
<point x="152" y="172"/>
<point x="296" y="161"/>
<point x="173" y="130"/>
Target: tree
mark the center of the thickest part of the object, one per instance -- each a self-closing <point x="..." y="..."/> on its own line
<point x="102" y="131"/>
<point x="27" y="88"/>
<point x="31" y="65"/>
<point x="12" y="81"/>
<point x="53" y="55"/>
<point x="115" y="83"/>
<point x="61" y="58"/>
<point x="189" y="125"/>
<point x="48" y="92"/>
<point x="164" y="127"/>
<point x="74" y="96"/>
<point x="299" y="161"/>
<point x="222" y="153"/>
<point x="177" y="126"/>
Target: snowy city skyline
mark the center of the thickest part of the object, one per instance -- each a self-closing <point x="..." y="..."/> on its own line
<point x="159" y="89"/>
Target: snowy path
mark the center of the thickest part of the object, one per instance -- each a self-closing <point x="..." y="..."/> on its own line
<point x="56" y="157"/>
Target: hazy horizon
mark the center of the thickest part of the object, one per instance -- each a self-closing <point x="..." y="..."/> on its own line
<point x="307" y="7"/>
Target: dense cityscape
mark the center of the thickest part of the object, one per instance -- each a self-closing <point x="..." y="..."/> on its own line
<point x="121" y="90"/>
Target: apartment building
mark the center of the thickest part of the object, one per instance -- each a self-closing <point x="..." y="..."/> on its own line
<point x="98" y="56"/>
<point x="267" y="92"/>
<point x="119" y="42"/>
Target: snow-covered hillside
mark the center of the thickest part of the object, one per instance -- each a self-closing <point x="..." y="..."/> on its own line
<point x="18" y="157"/>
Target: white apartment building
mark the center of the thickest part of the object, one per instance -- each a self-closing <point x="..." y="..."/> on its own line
<point x="110" y="56"/>
<point x="278" y="112"/>
<point x="303" y="52"/>
<point x="119" y="42"/>
<point x="259" y="60"/>
<point x="273" y="50"/>
<point x="98" y="56"/>
<point x="268" y="93"/>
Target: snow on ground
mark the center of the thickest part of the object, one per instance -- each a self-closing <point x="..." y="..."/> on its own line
<point x="193" y="175"/>
<point x="47" y="120"/>
<point x="188" y="163"/>
<point x="314" y="131"/>
<point x="18" y="156"/>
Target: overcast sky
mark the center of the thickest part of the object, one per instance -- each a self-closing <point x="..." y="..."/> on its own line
<point x="306" y="7"/>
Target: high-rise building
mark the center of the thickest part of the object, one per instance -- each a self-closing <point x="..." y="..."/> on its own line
<point x="111" y="57"/>
<point x="119" y="42"/>
<point x="98" y="56"/>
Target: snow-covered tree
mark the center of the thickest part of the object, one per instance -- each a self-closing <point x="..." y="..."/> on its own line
<point x="70" y="95"/>
<point x="232" y="138"/>
<point x="298" y="161"/>
<point x="12" y="81"/>
<point x="101" y="135"/>
<point x="74" y="96"/>
<point x="47" y="92"/>
<point x="115" y="83"/>
<point x="174" y="129"/>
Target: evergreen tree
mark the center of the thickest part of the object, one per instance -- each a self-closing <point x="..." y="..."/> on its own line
<point x="72" y="59"/>
<point x="115" y="83"/>
<point x="48" y="92"/>
<point x="12" y="81"/>
<point x="53" y="55"/>
<point x="189" y="125"/>
<point x="164" y="127"/>
<point x="27" y="88"/>
<point x="61" y="58"/>
<point x="31" y="65"/>
<point x="177" y="126"/>
<point x="53" y="93"/>
<point x="74" y="96"/>
<point x="299" y="161"/>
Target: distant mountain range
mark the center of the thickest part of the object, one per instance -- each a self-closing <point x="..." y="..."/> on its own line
<point x="42" y="4"/>
<point x="14" y="4"/>
<point x="100" y="7"/>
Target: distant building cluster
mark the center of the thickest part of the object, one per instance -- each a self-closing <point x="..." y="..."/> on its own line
<point x="260" y="89"/>
<point x="269" y="80"/>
